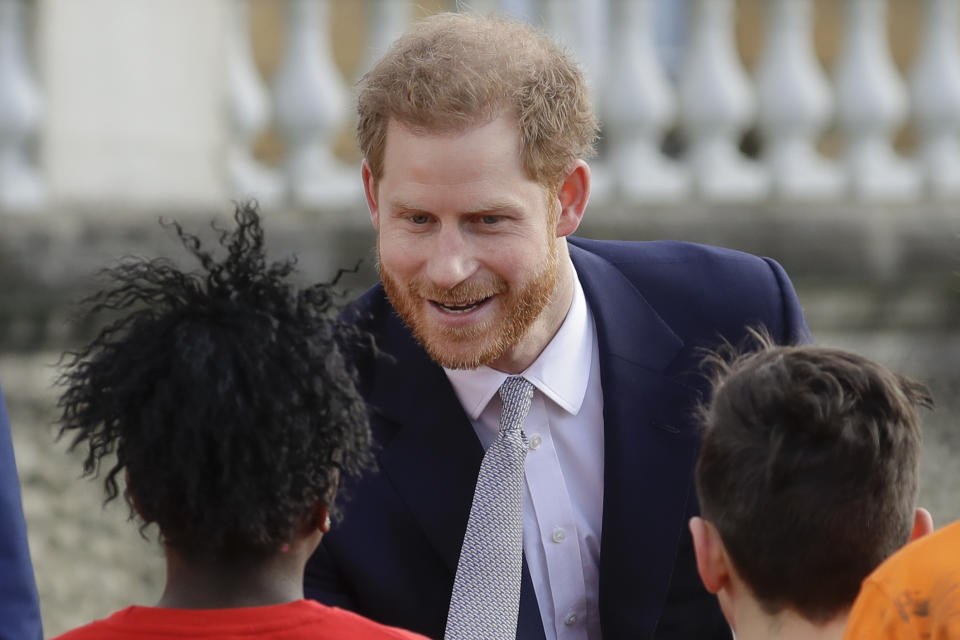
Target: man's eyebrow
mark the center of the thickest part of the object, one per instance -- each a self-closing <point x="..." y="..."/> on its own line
<point x="402" y="205"/>
<point x="493" y="208"/>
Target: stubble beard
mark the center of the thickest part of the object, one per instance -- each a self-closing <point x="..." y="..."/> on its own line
<point x="480" y="343"/>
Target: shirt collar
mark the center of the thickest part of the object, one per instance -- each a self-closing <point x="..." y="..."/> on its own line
<point x="561" y="371"/>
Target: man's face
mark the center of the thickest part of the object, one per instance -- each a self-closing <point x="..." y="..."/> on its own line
<point x="468" y="252"/>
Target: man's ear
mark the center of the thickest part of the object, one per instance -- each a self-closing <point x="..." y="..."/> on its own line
<point x="922" y="523"/>
<point x="711" y="557"/>
<point x="573" y="194"/>
<point x="370" y="191"/>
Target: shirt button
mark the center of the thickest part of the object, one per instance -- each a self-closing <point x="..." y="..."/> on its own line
<point x="570" y="619"/>
<point x="535" y="442"/>
<point x="559" y="535"/>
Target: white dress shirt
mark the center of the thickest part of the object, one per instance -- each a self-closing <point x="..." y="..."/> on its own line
<point x="563" y="493"/>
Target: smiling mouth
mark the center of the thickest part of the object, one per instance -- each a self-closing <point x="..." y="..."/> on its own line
<point x="465" y="307"/>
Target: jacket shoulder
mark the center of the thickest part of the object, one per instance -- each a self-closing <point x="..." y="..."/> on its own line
<point x="697" y="288"/>
<point x="624" y="253"/>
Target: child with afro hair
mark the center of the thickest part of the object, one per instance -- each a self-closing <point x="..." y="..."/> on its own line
<point x="233" y="415"/>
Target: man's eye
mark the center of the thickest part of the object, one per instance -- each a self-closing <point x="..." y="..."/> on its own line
<point x="419" y="218"/>
<point x="490" y="219"/>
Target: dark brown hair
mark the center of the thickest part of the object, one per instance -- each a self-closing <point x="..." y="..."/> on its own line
<point x="808" y="470"/>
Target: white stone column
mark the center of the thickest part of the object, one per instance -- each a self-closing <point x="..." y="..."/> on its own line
<point x="477" y="6"/>
<point x="716" y="106"/>
<point x="935" y="89"/>
<point x="249" y="111"/>
<point x="794" y="101"/>
<point x="524" y="10"/>
<point x="136" y="103"/>
<point x="583" y="26"/>
<point x="386" y="21"/>
<point x="640" y="106"/>
<point x="871" y="104"/>
<point x="311" y="108"/>
<point x="21" y="188"/>
<point x="520" y="9"/>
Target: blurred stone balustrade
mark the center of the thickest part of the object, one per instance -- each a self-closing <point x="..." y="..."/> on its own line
<point x="186" y="103"/>
<point x="821" y="132"/>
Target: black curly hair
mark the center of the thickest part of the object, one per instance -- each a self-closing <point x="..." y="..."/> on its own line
<point x="224" y="394"/>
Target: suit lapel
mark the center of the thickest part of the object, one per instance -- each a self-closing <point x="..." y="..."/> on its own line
<point x="649" y="448"/>
<point x="433" y="460"/>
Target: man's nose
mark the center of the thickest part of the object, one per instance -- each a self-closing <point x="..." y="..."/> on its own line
<point x="452" y="260"/>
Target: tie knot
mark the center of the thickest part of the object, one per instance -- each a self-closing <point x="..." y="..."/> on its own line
<point x="516" y="393"/>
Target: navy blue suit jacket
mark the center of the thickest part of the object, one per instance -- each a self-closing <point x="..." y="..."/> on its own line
<point x="19" y="611"/>
<point x="656" y="304"/>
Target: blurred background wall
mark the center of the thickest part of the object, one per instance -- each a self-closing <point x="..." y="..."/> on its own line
<point x="823" y="133"/>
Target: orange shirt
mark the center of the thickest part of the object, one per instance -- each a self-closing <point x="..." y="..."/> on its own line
<point x="298" y="620"/>
<point x="914" y="594"/>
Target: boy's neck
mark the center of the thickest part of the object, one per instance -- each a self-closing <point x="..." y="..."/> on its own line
<point x="276" y="579"/>
<point x="752" y="623"/>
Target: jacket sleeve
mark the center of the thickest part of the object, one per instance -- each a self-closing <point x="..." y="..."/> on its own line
<point x="19" y="607"/>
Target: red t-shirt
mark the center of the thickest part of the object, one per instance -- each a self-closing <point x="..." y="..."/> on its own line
<point x="298" y="620"/>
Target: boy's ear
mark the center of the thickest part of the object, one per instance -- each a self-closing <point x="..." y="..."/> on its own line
<point x="715" y="568"/>
<point x="322" y="518"/>
<point x="710" y="553"/>
<point x="922" y="523"/>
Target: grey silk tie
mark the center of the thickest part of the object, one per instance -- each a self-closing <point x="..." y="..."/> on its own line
<point x="486" y="590"/>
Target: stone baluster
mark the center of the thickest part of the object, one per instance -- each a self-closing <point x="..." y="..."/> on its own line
<point x="249" y="112"/>
<point x="716" y="105"/>
<point x="935" y="88"/>
<point x="871" y="104"/>
<point x="520" y="9"/>
<point x="21" y="188"/>
<point x="640" y="105"/>
<point x="386" y="21"/>
<point x="310" y="104"/>
<point x="671" y="33"/>
<point x="794" y="102"/>
<point x="583" y="27"/>
<point x="478" y="6"/>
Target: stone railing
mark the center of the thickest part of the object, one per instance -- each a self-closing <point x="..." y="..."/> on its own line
<point x="642" y="91"/>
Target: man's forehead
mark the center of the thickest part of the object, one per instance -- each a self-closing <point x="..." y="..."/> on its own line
<point x="480" y="150"/>
<point x="451" y="127"/>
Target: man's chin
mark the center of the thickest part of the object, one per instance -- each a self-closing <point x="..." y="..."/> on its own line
<point x="461" y="355"/>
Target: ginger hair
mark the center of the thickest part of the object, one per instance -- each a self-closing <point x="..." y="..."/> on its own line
<point x="454" y="71"/>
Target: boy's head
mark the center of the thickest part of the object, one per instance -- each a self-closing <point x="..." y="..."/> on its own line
<point x="807" y="475"/>
<point x="223" y="394"/>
